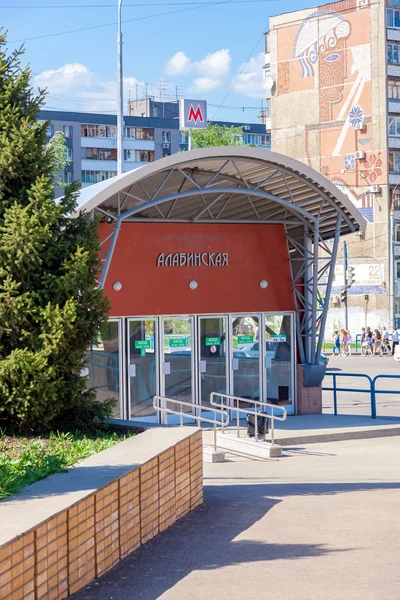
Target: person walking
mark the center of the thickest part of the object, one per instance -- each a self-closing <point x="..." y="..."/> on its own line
<point x="335" y="343"/>
<point x="369" y="338"/>
<point x="378" y="343"/>
<point x="363" y="342"/>
<point x="344" y="342"/>
<point x="395" y="340"/>
<point x="386" y="341"/>
<point x="349" y="341"/>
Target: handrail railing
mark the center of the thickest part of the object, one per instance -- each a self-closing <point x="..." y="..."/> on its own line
<point x="253" y="404"/>
<point x="160" y="404"/>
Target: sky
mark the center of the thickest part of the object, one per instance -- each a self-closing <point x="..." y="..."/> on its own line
<point x="211" y="49"/>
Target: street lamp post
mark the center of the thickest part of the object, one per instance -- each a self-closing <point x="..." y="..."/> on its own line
<point x="120" y="106"/>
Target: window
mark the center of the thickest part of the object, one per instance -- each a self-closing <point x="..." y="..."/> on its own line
<point x="268" y="108"/>
<point x="99" y="153"/>
<point x="144" y="155"/>
<point x="393" y="53"/>
<point x="130" y="155"/>
<point x="102" y="131"/>
<point x="266" y="39"/>
<point x="50" y="131"/>
<point x="144" y="133"/>
<point x="183" y="137"/>
<point x="397" y="307"/>
<point x="129" y="133"/>
<point x="265" y="139"/>
<point x="68" y="131"/>
<point x="394" y="162"/>
<point x="68" y="154"/>
<point x="68" y="177"/>
<point x="397" y="233"/>
<point x="394" y="88"/>
<point x="394" y="126"/>
<point x="96" y="176"/>
<point x="393" y="18"/>
<point x="267" y="71"/>
<point x="166" y="137"/>
<point x="397" y="269"/>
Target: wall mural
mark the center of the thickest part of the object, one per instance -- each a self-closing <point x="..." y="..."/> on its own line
<point x="331" y="55"/>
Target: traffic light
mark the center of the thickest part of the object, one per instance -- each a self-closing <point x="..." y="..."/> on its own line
<point x="350" y="276"/>
<point x="343" y="295"/>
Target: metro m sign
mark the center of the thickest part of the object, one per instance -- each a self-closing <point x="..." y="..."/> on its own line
<point x="192" y="114"/>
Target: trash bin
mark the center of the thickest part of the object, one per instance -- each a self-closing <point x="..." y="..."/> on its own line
<point x="262" y="425"/>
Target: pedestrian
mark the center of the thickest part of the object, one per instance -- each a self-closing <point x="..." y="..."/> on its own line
<point x="335" y="343"/>
<point x="369" y="340"/>
<point x="395" y="340"/>
<point x="344" y="342"/>
<point x="378" y="342"/>
<point x="363" y="342"/>
<point x="348" y="343"/>
<point x="386" y="341"/>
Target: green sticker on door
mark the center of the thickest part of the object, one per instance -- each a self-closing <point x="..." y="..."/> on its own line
<point x="245" y="339"/>
<point x="177" y="342"/>
<point x="142" y="344"/>
<point x="213" y="341"/>
<point x="278" y="337"/>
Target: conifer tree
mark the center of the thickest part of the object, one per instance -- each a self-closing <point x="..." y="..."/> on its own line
<point x="51" y="308"/>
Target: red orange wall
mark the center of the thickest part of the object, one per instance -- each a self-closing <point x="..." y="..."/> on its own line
<point x="255" y="252"/>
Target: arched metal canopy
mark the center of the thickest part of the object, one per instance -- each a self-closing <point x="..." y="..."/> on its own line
<point x="237" y="185"/>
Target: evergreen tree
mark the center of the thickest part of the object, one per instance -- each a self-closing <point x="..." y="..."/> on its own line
<point x="51" y="308"/>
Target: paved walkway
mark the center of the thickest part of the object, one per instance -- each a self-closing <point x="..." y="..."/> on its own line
<point x="322" y="523"/>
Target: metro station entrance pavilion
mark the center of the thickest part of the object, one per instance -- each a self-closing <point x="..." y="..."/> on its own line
<point x="217" y="263"/>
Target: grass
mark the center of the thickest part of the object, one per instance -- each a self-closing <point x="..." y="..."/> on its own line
<point x="24" y="460"/>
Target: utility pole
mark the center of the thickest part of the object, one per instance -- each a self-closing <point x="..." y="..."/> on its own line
<point x="120" y="105"/>
<point x="346" y="306"/>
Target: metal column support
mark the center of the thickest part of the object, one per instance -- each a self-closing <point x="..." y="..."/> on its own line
<point x="110" y="252"/>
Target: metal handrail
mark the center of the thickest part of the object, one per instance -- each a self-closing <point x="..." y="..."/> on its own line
<point x="255" y="404"/>
<point x="160" y="404"/>
<point x="335" y="389"/>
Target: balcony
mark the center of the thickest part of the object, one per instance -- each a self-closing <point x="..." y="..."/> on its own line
<point x="393" y="70"/>
<point x="394" y="178"/>
<point x="394" y="106"/>
<point x="393" y="34"/>
<point x="394" y="142"/>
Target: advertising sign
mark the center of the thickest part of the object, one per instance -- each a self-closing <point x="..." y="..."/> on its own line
<point x="192" y="114"/>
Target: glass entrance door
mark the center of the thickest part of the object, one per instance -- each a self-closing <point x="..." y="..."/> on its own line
<point x="177" y="358"/>
<point x="279" y="360"/>
<point x="246" y="356"/>
<point x="142" y="349"/>
<point x="213" y="357"/>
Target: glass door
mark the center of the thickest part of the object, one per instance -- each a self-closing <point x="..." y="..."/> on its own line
<point x="213" y="375"/>
<point x="177" y="380"/>
<point x="142" y="351"/>
<point x="279" y="360"/>
<point x="246" y="357"/>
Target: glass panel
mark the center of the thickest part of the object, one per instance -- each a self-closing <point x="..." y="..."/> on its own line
<point x="246" y="357"/>
<point x="396" y="18"/>
<point x="278" y="359"/>
<point x="391" y="161"/>
<point x="397" y="269"/>
<point x="142" y="366"/>
<point x="391" y="126"/>
<point x="390" y="53"/>
<point x="397" y="121"/>
<point x="395" y="54"/>
<point x="212" y="357"/>
<point x="178" y="358"/>
<point x="104" y="365"/>
<point x="389" y="17"/>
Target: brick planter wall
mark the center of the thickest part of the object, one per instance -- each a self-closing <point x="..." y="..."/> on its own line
<point x="61" y="554"/>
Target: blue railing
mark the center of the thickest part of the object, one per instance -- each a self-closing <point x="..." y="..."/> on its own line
<point x="371" y="390"/>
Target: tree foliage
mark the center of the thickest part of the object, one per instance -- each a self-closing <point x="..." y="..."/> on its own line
<point x="50" y="305"/>
<point x="217" y="135"/>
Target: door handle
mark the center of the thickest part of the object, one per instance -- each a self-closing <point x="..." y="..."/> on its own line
<point x="167" y="368"/>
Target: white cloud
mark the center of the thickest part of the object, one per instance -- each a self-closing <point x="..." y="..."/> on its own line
<point x="249" y="82"/>
<point x="178" y="64"/>
<point x="204" y="84"/>
<point x="73" y="86"/>
<point x="215" y="64"/>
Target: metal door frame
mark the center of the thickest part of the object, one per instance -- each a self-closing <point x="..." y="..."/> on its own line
<point x="231" y="317"/>
<point x="127" y="360"/>
<point x="225" y="318"/>
<point x="194" y="357"/>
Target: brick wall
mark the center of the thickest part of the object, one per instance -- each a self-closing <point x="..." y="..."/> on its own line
<point x="64" y="553"/>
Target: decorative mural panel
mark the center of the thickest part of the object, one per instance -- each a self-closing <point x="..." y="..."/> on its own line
<point x="328" y="58"/>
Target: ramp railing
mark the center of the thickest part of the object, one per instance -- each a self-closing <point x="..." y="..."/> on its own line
<point x="220" y="418"/>
<point x="263" y="409"/>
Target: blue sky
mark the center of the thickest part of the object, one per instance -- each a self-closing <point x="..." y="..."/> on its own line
<point x="200" y="49"/>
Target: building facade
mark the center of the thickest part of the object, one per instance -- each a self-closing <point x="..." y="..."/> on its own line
<point x="335" y="105"/>
<point x="91" y="141"/>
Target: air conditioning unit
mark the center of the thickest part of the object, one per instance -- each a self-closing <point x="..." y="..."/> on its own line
<point x="166" y="145"/>
<point x="359" y="155"/>
<point x="375" y="189"/>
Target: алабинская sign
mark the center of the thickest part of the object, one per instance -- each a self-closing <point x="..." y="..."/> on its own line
<point x="193" y="259"/>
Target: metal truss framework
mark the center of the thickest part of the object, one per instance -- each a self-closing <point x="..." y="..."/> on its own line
<point x="209" y="198"/>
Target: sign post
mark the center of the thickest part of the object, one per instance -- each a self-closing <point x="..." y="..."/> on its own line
<point x="192" y="115"/>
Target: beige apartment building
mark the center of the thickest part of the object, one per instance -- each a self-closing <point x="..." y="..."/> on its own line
<point x="334" y="76"/>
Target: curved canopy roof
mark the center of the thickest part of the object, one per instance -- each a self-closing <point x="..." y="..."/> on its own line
<point x="226" y="184"/>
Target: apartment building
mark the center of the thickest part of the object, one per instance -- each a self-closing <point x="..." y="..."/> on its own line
<point x="91" y="141"/>
<point x="335" y="105"/>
